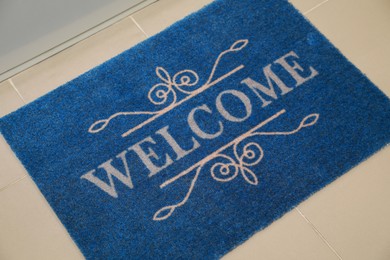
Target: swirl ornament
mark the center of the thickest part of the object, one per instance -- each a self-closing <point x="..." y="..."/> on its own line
<point x="159" y="93"/>
<point x="165" y="93"/>
<point x="225" y="168"/>
<point x="224" y="172"/>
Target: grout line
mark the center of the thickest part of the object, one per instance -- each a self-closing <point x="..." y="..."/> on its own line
<point x="17" y="91"/>
<point x="139" y="26"/>
<point x="319" y="233"/>
<point x="74" y="40"/>
<point x="315" y="7"/>
<point x="12" y="183"/>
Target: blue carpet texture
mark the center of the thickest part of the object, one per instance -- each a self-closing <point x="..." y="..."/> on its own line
<point x="187" y="144"/>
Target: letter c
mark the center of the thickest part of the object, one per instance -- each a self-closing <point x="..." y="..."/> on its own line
<point x="242" y="97"/>
<point x="195" y="127"/>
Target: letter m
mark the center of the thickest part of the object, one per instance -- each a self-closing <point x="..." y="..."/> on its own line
<point x="111" y="171"/>
<point x="269" y="91"/>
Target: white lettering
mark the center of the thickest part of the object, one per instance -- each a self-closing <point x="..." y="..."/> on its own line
<point x="111" y="171"/>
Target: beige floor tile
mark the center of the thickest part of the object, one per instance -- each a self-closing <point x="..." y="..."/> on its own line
<point x="79" y="58"/>
<point x="307" y="5"/>
<point x="353" y="213"/>
<point x="29" y="228"/>
<point x="289" y="238"/>
<point x="10" y="167"/>
<point x="360" y="29"/>
<point x="9" y="98"/>
<point x="160" y="15"/>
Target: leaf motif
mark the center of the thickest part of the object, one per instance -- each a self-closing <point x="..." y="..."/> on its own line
<point x="98" y="126"/>
<point x="239" y="45"/>
<point x="164" y="213"/>
<point x="309" y="120"/>
<point x="249" y="176"/>
<point x="163" y="75"/>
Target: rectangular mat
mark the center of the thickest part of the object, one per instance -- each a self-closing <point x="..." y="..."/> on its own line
<point x="187" y="144"/>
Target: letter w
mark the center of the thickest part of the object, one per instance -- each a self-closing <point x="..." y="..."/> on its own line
<point x="111" y="171"/>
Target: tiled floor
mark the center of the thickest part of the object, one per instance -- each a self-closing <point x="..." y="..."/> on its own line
<point x="349" y="219"/>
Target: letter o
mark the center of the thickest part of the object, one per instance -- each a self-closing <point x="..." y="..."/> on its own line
<point x="242" y="97"/>
<point x="195" y="127"/>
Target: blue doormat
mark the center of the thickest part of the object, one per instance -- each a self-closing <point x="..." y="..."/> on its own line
<point x="187" y="144"/>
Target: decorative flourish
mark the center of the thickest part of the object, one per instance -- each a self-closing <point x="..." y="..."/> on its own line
<point x="227" y="168"/>
<point x="165" y="93"/>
